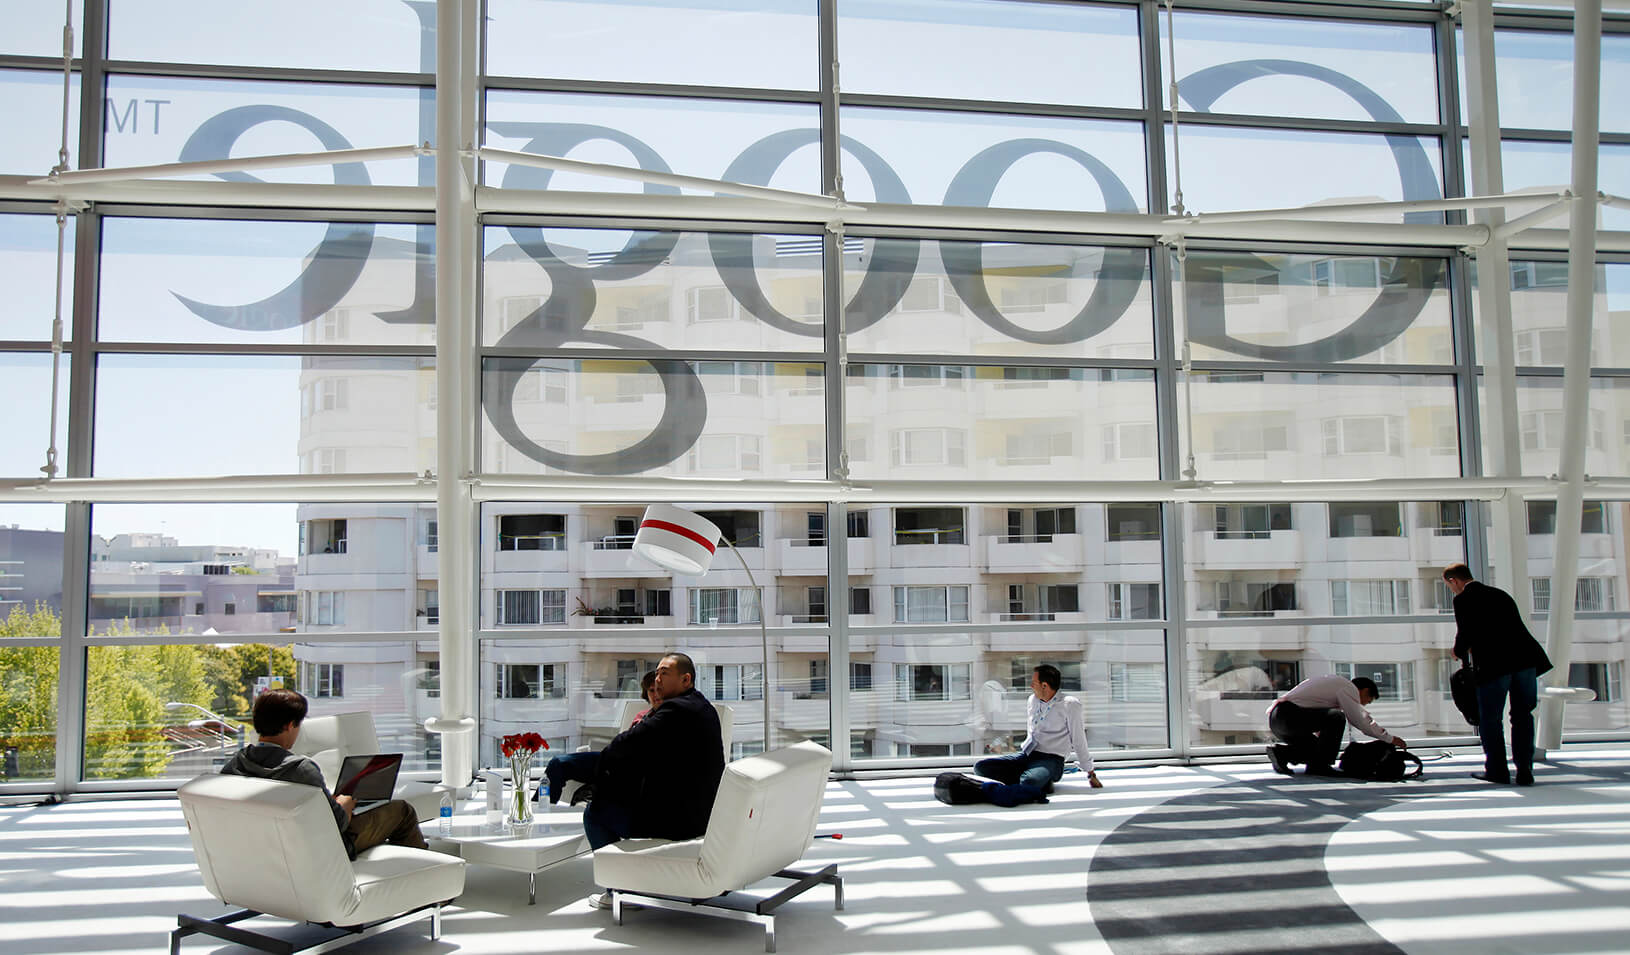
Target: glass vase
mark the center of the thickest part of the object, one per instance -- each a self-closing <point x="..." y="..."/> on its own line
<point x="520" y="799"/>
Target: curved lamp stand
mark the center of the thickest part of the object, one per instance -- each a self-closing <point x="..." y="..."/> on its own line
<point x="685" y="542"/>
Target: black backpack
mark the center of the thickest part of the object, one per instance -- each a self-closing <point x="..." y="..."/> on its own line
<point x="1379" y="762"/>
<point x="958" y="789"/>
<point x="1463" y="689"/>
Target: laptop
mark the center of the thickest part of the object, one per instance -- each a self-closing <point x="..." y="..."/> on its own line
<point x="369" y="779"/>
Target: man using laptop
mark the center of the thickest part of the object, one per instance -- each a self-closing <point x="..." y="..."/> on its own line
<point x="277" y="717"/>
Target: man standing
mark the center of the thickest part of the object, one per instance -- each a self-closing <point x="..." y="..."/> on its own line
<point x="277" y="716"/>
<point x="1311" y="719"/>
<point x="1491" y="636"/>
<point x="1057" y="728"/>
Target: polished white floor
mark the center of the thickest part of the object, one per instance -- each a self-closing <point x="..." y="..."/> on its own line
<point x="1443" y="865"/>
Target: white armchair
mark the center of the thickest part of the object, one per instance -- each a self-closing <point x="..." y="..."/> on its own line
<point x="272" y="848"/>
<point x="329" y="739"/>
<point x="763" y="821"/>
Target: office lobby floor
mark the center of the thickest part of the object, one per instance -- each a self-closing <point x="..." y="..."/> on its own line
<point x="1221" y="857"/>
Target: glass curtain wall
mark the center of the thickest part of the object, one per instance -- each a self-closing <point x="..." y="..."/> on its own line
<point x="233" y="339"/>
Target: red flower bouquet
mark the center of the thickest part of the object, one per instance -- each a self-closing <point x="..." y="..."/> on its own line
<point x="528" y="743"/>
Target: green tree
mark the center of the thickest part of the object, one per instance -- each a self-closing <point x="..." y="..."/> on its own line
<point x="28" y="693"/>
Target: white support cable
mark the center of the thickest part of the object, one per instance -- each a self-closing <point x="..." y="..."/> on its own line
<point x="1505" y="230"/>
<point x="1180" y="320"/>
<point x="1177" y="153"/>
<point x="50" y="467"/>
<point x="1335" y="210"/>
<point x="67" y="82"/>
<point x="493" y="154"/>
<point x="282" y="161"/>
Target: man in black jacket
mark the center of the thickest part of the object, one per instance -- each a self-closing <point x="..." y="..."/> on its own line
<point x="1508" y="661"/>
<point x="658" y="778"/>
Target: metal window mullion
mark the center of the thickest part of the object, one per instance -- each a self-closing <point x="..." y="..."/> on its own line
<point x="1174" y="591"/>
<point x="1367" y="127"/>
<point x="571" y="87"/>
<point x="1154" y="122"/>
<point x="276" y="74"/>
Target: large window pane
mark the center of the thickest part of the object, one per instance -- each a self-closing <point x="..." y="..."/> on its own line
<point x="998" y="299"/>
<point x="1534" y="73"/>
<point x="220" y="281"/>
<point x="28" y="269"/>
<point x="34" y="120"/>
<point x="1278" y="425"/>
<point x="25" y="391"/>
<point x="623" y="416"/>
<point x="759" y="43"/>
<point x="653" y="134"/>
<point x="356" y="35"/>
<point x="1299" y="66"/>
<point x="1539" y="314"/>
<point x="180" y="710"/>
<point x="943" y="422"/>
<point x="163" y="120"/>
<point x="1283" y="307"/>
<point x="991" y="160"/>
<point x="28" y="703"/>
<point x="1545" y="165"/>
<point x="30" y="570"/>
<point x="977" y="49"/>
<point x="1540" y="425"/>
<point x="714" y="292"/>
<point x="1276" y="168"/>
<point x="35" y="29"/>
<point x="271" y="415"/>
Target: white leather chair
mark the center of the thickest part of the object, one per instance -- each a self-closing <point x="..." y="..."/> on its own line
<point x="763" y="821"/>
<point x="633" y="708"/>
<point x="272" y="848"/>
<point x="329" y="739"/>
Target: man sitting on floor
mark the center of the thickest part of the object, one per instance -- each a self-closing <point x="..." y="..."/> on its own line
<point x="1311" y="719"/>
<point x="277" y="717"/>
<point x="1057" y="728"/>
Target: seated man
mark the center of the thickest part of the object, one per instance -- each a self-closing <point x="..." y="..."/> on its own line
<point x="277" y="717"/>
<point x="1311" y="719"/>
<point x="1057" y="728"/>
<point x="579" y="767"/>
<point x="658" y="778"/>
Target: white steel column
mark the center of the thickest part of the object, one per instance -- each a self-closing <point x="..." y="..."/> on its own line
<point x="1587" y="71"/>
<point x="1508" y="552"/>
<point x="456" y="408"/>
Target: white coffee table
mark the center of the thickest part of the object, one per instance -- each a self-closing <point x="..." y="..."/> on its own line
<point x="553" y="837"/>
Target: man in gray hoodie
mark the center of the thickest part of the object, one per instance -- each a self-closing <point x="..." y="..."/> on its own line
<point x="277" y="716"/>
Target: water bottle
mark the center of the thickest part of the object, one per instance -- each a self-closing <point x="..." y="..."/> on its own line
<point x="446" y="813"/>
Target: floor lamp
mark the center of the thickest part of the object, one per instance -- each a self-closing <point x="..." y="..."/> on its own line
<point x="684" y="542"/>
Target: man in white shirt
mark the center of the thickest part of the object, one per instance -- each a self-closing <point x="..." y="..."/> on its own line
<point x="1057" y="728"/>
<point x="1312" y="718"/>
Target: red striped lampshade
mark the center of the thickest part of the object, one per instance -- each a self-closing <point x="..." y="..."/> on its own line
<point x="680" y="540"/>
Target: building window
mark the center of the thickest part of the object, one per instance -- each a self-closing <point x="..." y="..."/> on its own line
<point x="928" y="446"/>
<point x="1250" y="521"/>
<point x="741" y="528"/>
<point x="527" y="681"/>
<point x="1133" y="522"/>
<point x="532" y="532"/>
<point x="1039" y="525"/>
<point x="1542" y="517"/>
<point x="530" y="608"/>
<point x="929" y="525"/>
<point x="860" y="600"/>
<point x="659" y="603"/>
<point x="1396" y="681"/>
<point x="927" y="376"/>
<point x="1246" y="598"/>
<point x="429" y="609"/>
<point x="736" y="681"/>
<point x="860" y="676"/>
<point x="1038" y="447"/>
<point x="1591" y="594"/>
<point x="1020" y="668"/>
<point x="928" y="683"/>
<point x="860" y="524"/>
<point x="1132" y="601"/>
<point x="430" y="679"/>
<point x="1137" y="682"/>
<point x="326" y="537"/>
<point x="326" y="461"/>
<point x="1129" y="441"/>
<point x="1601" y="677"/>
<point x="818" y="670"/>
<point x="730" y="377"/>
<point x="1248" y="438"/>
<point x="1543" y="429"/>
<point x="709" y="303"/>
<point x="1446" y="518"/>
<point x="323" y="681"/>
<point x="1363" y="434"/>
<point x="275" y="603"/>
<point x="815" y="603"/>
<point x="325" y="608"/>
<point x="1363" y="598"/>
<point x="930" y="293"/>
<point x="931" y="604"/>
<point x="1367" y="519"/>
<point x="713" y="605"/>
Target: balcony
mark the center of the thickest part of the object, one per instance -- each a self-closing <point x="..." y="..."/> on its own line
<point x="1591" y="546"/>
<point x="1047" y="553"/>
<point x="1264" y="638"/>
<point x="547" y="558"/>
<point x="1438" y="546"/>
<point x="1353" y="549"/>
<point x="1233" y="712"/>
<point x="800" y="558"/>
<point x="1246" y="550"/>
<point x="613" y="556"/>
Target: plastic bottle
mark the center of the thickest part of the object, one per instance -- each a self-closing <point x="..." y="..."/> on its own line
<point x="446" y="813"/>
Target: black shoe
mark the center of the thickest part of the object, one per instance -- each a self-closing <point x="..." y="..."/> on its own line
<point x="1276" y="756"/>
<point x="1525" y="779"/>
<point x="1498" y="780"/>
<point x="584" y="793"/>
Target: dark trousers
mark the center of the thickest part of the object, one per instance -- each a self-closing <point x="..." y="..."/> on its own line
<point x="1313" y="735"/>
<point x="605" y="822"/>
<point x="1024" y="777"/>
<point x="395" y="823"/>
<point x="1523" y="688"/>
<point x="567" y="767"/>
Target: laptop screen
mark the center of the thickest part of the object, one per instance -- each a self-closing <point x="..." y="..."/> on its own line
<point x="369" y="778"/>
